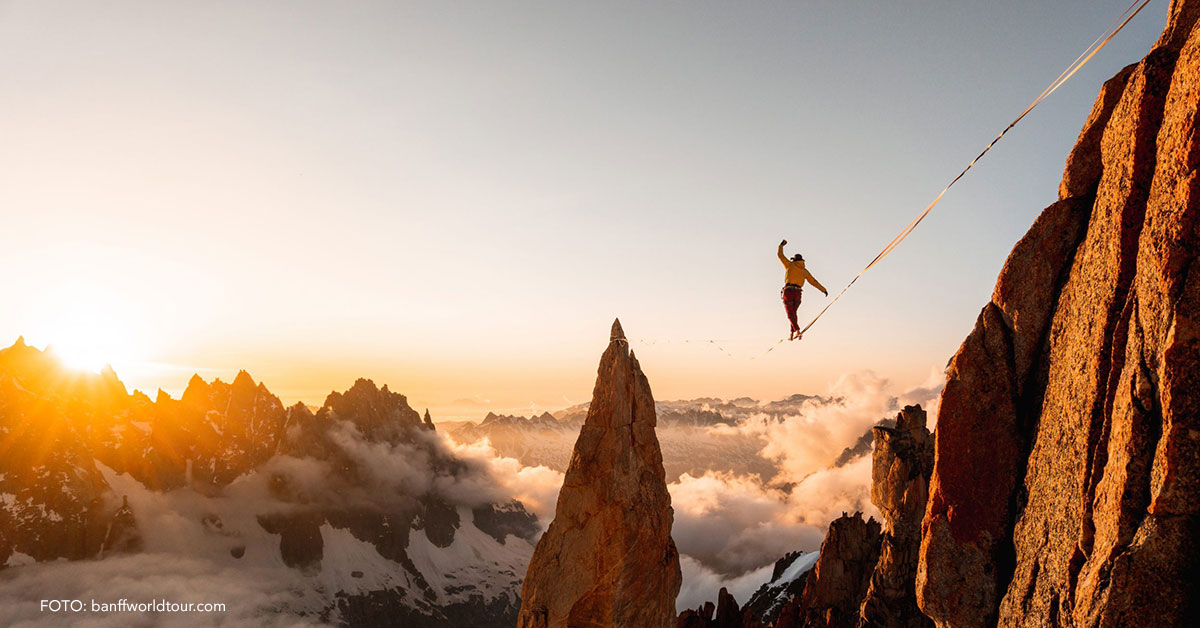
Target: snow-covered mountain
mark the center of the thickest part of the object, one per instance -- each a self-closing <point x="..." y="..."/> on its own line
<point x="783" y="587"/>
<point x="359" y="514"/>
<point x="787" y="582"/>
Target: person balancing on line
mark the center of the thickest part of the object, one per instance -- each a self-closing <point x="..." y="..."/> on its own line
<point x="794" y="278"/>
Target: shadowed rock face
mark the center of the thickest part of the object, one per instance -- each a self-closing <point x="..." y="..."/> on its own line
<point x="608" y="558"/>
<point x="1066" y="486"/>
<point x="764" y="606"/>
<point x="903" y="460"/>
<point x="840" y="579"/>
<point x="54" y="502"/>
<point x="123" y="535"/>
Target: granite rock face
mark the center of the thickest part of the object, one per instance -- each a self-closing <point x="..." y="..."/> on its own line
<point x="902" y="462"/>
<point x="607" y="559"/>
<point x="1067" y="467"/>
<point x="839" y="581"/>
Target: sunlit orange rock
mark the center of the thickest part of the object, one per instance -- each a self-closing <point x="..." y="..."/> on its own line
<point x="839" y="581"/>
<point x="1066" y="485"/>
<point x="608" y="559"/>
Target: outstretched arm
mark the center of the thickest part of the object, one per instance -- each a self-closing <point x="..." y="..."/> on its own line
<point x="783" y="258"/>
<point x="814" y="282"/>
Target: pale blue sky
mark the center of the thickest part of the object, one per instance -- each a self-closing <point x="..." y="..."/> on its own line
<point x="457" y="198"/>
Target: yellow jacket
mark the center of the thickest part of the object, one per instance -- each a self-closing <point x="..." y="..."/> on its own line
<point x="796" y="272"/>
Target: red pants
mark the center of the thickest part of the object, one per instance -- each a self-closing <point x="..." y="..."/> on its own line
<point x="791" y="302"/>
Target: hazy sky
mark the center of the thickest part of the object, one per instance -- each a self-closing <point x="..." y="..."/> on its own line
<point x="456" y="198"/>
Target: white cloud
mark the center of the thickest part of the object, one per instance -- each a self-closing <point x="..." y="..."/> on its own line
<point x="735" y="526"/>
<point x="729" y="528"/>
<point x="253" y="596"/>
<point x="535" y="487"/>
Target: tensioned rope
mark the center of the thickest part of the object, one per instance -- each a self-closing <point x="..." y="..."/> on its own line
<point x="1096" y="46"/>
<point x="1078" y="63"/>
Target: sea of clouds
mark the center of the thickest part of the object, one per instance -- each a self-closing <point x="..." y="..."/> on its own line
<point x="729" y="528"/>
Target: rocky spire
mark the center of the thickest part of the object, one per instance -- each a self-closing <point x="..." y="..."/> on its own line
<point x="902" y="462"/>
<point x="243" y="386"/>
<point x="837" y="584"/>
<point x="608" y="559"/>
<point x="123" y="535"/>
<point x="197" y="390"/>
<point x="729" y="615"/>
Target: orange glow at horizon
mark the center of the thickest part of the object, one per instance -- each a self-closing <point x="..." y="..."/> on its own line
<point x="87" y="328"/>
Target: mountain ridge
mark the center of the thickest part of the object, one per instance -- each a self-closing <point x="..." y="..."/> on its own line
<point x="87" y="467"/>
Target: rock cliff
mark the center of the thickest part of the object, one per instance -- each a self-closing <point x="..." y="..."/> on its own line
<point x="788" y="579"/>
<point x="607" y="559"/>
<point x="902" y="462"/>
<point x="1065" y="485"/>
<point x="839" y="581"/>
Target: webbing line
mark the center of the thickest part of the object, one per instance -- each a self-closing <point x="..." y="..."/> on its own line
<point x="1099" y="43"/>
<point x="1070" y="71"/>
<point x="717" y="344"/>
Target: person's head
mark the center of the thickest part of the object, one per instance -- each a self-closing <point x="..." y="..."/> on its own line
<point x="797" y="258"/>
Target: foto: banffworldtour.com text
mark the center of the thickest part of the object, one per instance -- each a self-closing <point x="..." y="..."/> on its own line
<point x="125" y="606"/>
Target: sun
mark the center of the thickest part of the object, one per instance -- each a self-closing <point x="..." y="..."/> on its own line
<point x="88" y="334"/>
<point x="90" y="345"/>
<point x="84" y="356"/>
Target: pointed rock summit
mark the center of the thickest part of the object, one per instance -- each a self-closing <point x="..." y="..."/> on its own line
<point x="608" y="559"/>
<point x="902" y="462"/>
<point x="840" y="580"/>
<point x="617" y="333"/>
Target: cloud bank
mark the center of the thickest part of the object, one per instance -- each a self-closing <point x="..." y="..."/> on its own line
<point x="731" y="528"/>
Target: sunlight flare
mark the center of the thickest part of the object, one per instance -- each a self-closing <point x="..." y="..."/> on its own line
<point x="87" y="329"/>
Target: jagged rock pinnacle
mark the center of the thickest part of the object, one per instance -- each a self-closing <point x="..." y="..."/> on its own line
<point x="608" y="558"/>
<point x="617" y="333"/>
<point x="243" y="383"/>
<point x="901" y="464"/>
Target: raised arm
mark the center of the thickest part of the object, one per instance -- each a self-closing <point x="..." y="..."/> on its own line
<point x="815" y="283"/>
<point x="783" y="258"/>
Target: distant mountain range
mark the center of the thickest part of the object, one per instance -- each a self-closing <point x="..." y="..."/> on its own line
<point x="696" y="435"/>
<point x="360" y="508"/>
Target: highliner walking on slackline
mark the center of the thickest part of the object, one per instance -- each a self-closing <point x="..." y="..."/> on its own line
<point x="794" y="277"/>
